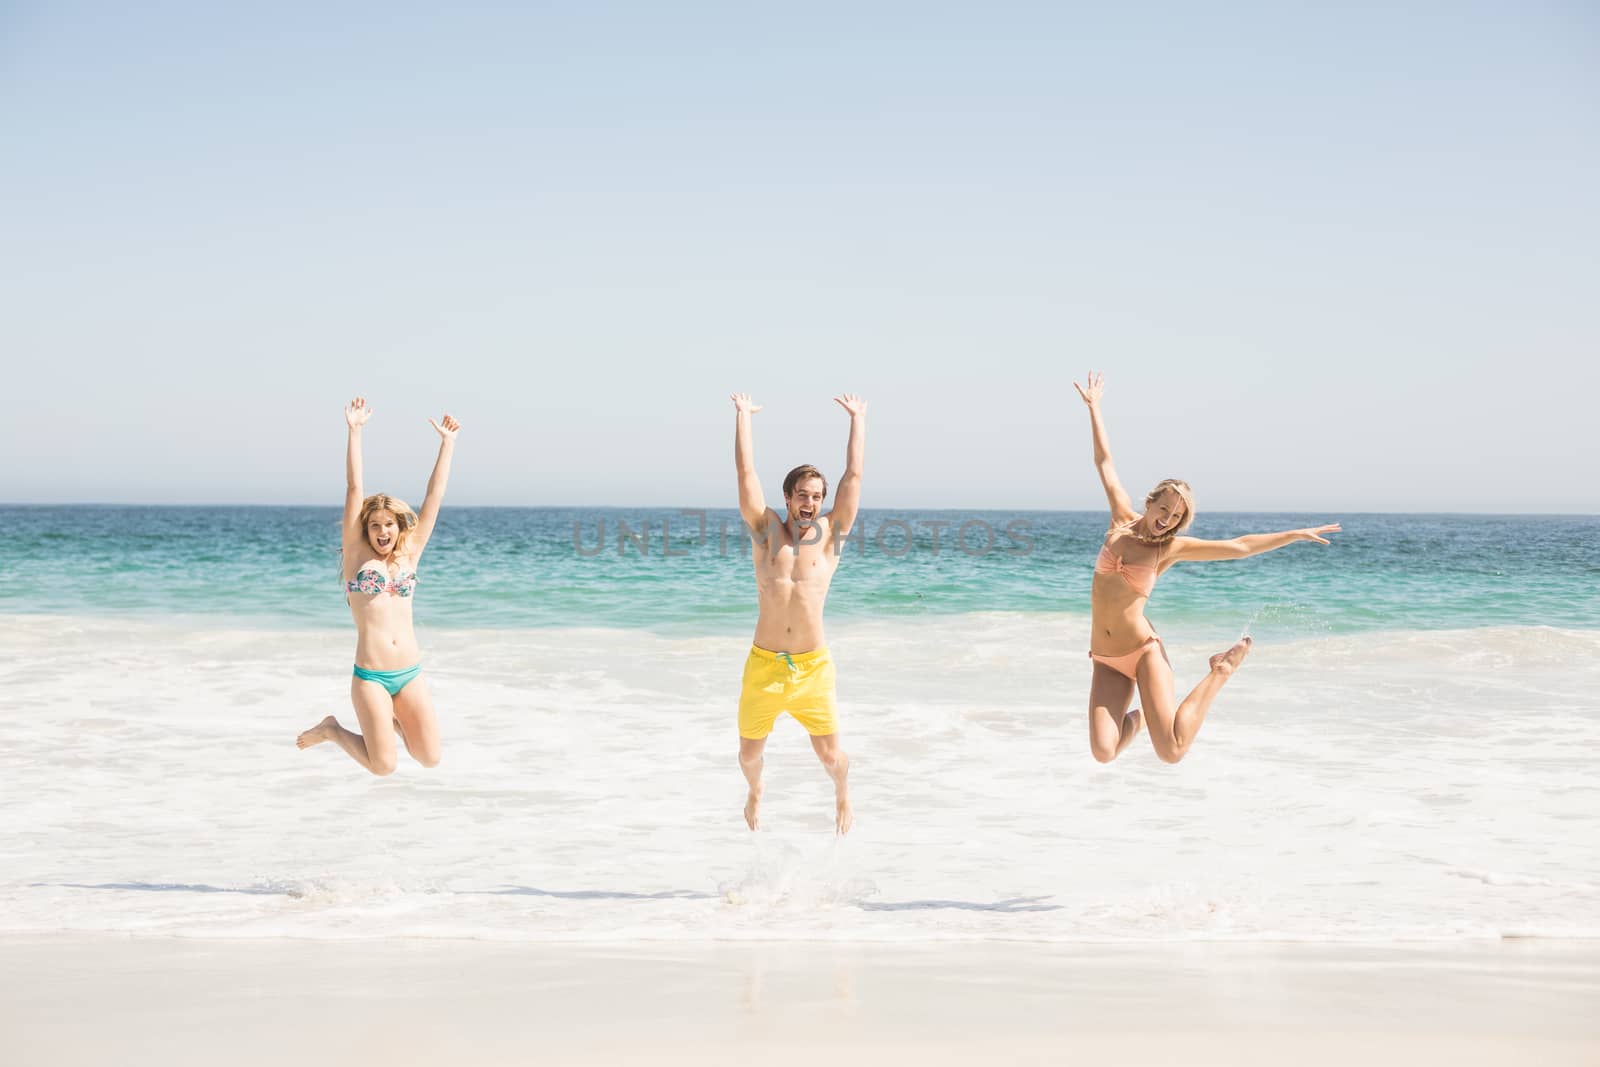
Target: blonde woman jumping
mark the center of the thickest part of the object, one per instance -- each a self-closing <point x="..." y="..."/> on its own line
<point x="1125" y="648"/>
<point x="383" y="543"/>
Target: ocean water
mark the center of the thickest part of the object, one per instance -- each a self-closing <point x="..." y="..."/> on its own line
<point x="1408" y="754"/>
<point x="522" y="568"/>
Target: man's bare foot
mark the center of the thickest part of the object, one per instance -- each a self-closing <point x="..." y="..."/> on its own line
<point x="752" y="808"/>
<point x="841" y="795"/>
<point x="319" y="733"/>
<point x="1225" y="663"/>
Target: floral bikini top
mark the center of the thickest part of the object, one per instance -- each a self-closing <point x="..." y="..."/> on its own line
<point x="372" y="581"/>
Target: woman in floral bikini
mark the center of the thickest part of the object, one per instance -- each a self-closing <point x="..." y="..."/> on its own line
<point x="383" y="541"/>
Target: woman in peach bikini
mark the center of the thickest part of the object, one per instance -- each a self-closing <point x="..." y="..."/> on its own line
<point x="1125" y="648"/>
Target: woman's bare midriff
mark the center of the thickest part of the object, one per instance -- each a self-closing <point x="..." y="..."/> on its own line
<point x="385" y="639"/>
<point x="1117" y="621"/>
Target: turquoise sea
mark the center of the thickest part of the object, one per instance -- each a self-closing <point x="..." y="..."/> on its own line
<point x="687" y="570"/>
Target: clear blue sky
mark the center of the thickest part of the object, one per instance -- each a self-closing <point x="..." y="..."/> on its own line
<point x="1330" y="257"/>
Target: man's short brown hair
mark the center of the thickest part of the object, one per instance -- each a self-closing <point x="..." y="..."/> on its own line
<point x="800" y="474"/>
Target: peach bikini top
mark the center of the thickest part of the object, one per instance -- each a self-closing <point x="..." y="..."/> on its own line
<point x="1141" y="578"/>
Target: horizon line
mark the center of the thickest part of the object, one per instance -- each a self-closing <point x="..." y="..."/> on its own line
<point x="735" y="507"/>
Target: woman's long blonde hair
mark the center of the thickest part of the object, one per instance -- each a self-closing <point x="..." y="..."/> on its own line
<point x="404" y="517"/>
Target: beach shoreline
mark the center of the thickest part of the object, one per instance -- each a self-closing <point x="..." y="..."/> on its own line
<point x="79" y="999"/>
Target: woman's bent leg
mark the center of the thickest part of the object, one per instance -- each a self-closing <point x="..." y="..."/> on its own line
<point x="413" y="710"/>
<point x="1173" y="725"/>
<point x="1111" y="726"/>
<point x="373" y="747"/>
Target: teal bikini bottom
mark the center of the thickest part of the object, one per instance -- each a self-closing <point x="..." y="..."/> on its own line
<point x="393" y="681"/>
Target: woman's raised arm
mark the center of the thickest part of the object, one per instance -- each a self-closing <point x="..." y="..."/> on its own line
<point x="1121" y="506"/>
<point x="356" y="414"/>
<point x="436" y="483"/>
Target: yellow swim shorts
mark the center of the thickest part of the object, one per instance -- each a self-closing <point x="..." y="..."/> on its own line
<point x="800" y="683"/>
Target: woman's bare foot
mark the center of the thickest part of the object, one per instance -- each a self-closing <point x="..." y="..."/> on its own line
<point x="843" y="818"/>
<point x="1225" y="663"/>
<point x="752" y="808"/>
<point x="319" y="733"/>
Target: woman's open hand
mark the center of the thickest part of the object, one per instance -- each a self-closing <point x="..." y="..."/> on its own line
<point x="1315" y="533"/>
<point x="357" y="413"/>
<point x="1092" y="388"/>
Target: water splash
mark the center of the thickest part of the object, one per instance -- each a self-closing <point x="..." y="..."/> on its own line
<point x="782" y="877"/>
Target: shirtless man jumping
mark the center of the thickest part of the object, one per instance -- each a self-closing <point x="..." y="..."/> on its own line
<point x="795" y="556"/>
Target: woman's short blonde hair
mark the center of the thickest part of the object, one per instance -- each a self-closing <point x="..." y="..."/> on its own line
<point x="1184" y="493"/>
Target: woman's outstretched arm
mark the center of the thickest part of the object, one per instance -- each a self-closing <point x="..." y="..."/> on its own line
<point x="436" y="483"/>
<point x="356" y="414"/>
<point x="1121" y="506"/>
<point x="1194" y="549"/>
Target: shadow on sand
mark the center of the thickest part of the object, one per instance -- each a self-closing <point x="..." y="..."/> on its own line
<point x="178" y="887"/>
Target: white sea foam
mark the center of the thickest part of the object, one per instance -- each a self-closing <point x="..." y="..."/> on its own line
<point x="1433" y="785"/>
